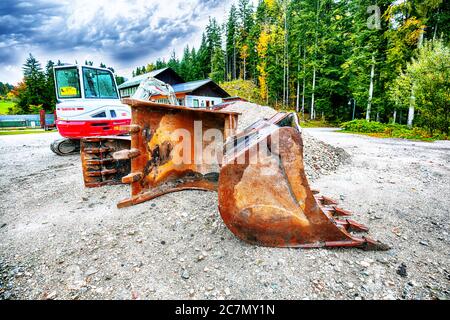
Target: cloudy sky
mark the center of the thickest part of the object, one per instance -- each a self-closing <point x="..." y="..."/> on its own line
<point x="121" y="33"/>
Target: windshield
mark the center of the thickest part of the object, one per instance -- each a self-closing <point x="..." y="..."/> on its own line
<point x="68" y="83"/>
<point x="99" y="84"/>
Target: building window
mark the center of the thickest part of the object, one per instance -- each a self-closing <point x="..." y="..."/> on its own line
<point x="196" y="105"/>
<point x="163" y="101"/>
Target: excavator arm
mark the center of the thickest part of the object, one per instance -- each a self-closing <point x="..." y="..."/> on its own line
<point x="153" y="87"/>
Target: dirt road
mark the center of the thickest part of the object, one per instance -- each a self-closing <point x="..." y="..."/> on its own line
<point x="59" y="240"/>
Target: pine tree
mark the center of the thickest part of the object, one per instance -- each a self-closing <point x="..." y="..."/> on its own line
<point x="173" y="62"/>
<point x="204" y="59"/>
<point x="34" y="79"/>
<point x="243" y="43"/>
<point x="230" y="45"/>
<point x="217" y="66"/>
<point x="50" y="91"/>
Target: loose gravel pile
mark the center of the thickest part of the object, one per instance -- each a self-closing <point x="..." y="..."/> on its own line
<point x="320" y="158"/>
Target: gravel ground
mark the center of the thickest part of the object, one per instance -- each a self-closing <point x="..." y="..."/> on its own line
<point x="62" y="241"/>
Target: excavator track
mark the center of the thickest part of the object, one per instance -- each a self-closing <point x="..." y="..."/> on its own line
<point x="65" y="147"/>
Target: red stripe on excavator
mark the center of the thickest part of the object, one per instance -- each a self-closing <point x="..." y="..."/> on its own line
<point x="80" y="129"/>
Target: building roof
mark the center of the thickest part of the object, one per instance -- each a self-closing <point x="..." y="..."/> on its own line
<point x="135" y="81"/>
<point x="190" y="86"/>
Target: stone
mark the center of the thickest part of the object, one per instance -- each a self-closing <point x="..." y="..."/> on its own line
<point x="185" y="274"/>
<point x="401" y="270"/>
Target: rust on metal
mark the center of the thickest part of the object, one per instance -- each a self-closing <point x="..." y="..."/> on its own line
<point x="155" y="165"/>
<point x="269" y="202"/>
<point x="99" y="166"/>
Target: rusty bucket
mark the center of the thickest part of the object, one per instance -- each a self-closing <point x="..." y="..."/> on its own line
<point x="265" y="198"/>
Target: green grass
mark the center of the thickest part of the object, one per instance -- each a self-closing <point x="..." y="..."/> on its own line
<point x="4" y="105"/>
<point x="22" y="131"/>
<point x="316" y="124"/>
<point x="381" y="130"/>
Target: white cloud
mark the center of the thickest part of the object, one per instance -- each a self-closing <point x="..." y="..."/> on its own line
<point x="122" y="33"/>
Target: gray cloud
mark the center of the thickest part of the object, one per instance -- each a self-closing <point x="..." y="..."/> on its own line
<point x="45" y="25"/>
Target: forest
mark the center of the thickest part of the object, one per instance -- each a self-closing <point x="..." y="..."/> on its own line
<point x="337" y="60"/>
<point x="329" y="60"/>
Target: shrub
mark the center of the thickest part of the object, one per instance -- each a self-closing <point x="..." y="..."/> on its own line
<point x="390" y="130"/>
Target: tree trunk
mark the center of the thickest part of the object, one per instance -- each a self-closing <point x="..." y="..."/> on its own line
<point x="411" y="109"/>
<point x="234" y="58"/>
<point x="287" y="80"/>
<point x="297" y="103"/>
<point x="245" y="68"/>
<point x="394" y="116"/>
<point x="313" y="112"/>
<point x="372" y="74"/>
<point x="304" y="84"/>
<point x="285" y="60"/>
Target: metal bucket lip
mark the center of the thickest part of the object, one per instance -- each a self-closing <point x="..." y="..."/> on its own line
<point x="136" y="103"/>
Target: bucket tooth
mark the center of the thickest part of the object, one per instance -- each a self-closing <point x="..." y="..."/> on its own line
<point x="132" y="129"/>
<point x="101" y="173"/>
<point x="126" y="154"/>
<point x="99" y="161"/>
<point x="132" y="177"/>
<point x="373" y="245"/>
<point x="125" y="203"/>
<point x="326" y="200"/>
<point x="97" y="150"/>
<point x="336" y="211"/>
<point x="351" y="225"/>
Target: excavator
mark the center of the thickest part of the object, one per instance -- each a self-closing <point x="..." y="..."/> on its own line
<point x="258" y="172"/>
<point x="88" y="104"/>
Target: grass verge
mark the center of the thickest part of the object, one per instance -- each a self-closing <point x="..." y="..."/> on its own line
<point x="381" y="130"/>
<point x="4" y="105"/>
<point x="22" y="131"/>
<point x="316" y="124"/>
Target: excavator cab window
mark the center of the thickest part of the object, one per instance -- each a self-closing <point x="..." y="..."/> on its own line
<point x="67" y="83"/>
<point x="99" y="84"/>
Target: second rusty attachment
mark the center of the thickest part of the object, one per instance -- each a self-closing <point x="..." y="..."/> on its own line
<point x="100" y="167"/>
